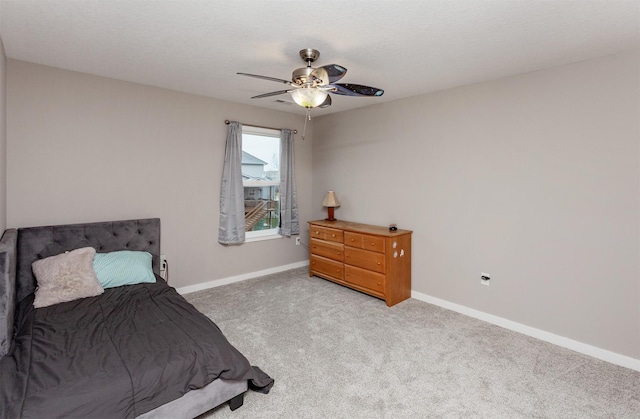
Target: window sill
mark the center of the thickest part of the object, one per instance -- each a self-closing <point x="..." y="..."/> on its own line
<point x="261" y="238"/>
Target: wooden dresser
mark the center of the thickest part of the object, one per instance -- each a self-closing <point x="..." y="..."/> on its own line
<point x="364" y="257"/>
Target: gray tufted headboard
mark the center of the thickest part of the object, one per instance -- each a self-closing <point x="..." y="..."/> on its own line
<point x="40" y="242"/>
<point x="20" y="248"/>
<point x="7" y="288"/>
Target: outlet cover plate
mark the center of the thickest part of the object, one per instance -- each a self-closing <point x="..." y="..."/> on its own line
<point x="484" y="281"/>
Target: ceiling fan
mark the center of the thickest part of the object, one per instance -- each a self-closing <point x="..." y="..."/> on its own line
<point x="310" y="87"/>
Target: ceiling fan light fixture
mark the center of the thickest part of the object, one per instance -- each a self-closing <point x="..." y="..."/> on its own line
<point x="309" y="97"/>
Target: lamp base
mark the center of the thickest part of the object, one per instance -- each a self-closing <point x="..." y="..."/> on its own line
<point x="330" y="216"/>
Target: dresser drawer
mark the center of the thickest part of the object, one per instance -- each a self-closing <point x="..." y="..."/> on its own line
<point x="364" y="241"/>
<point x="326" y="267"/>
<point x="316" y="232"/>
<point x="327" y="249"/>
<point x="364" y="259"/>
<point x="353" y="239"/>
<point x="333" y="235"/>
<point x="325" y="233"/>
<point x="366" y="279"/>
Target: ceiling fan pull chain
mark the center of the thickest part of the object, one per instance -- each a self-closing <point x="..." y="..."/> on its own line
<point x="307" y="117"/>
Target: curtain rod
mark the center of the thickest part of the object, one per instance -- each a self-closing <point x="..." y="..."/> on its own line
<point x="226" y="121"/>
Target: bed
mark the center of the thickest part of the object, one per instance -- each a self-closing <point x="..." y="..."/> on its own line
<point x="134" y="350"/>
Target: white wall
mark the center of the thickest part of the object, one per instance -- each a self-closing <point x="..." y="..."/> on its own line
<point x="534" y="179"/>
<point x="84" y="148"/>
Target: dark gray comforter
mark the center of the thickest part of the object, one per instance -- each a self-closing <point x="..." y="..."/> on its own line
<point x="117" y="355"/>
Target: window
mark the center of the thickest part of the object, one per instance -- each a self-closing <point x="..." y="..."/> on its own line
<point x="261" y="181"/>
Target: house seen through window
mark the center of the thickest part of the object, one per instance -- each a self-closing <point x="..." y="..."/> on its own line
<point x="261" y="180"/>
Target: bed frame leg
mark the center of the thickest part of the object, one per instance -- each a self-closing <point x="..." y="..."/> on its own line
<point x="236" y="402"/>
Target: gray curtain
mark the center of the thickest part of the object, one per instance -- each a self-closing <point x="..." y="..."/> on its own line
<point x="232" y="225"/>
<point x="288" y="200"/>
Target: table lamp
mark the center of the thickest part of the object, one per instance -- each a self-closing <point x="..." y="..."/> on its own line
<point x="330" y="201"/>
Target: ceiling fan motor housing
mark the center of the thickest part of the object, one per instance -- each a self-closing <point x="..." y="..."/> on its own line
<point x="301" y="76"/>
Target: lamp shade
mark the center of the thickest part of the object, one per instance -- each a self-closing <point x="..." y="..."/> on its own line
<point x="330" y="200"/>
<point x="309" y="97"/>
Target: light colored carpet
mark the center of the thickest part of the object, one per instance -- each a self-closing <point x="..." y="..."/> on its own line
<point x="337" y="353"/>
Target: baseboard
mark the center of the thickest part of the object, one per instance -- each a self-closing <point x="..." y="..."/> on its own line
<point x="232" y="279"/>
<point x="583" y="348"/>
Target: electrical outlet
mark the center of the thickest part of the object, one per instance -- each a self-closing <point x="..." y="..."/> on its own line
<point x="163" y="264"/>
<point x="297" y="241"/>
<point x="485" y="278"/>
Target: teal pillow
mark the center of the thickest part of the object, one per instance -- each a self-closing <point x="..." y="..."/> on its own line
<point x="124" y="267"/>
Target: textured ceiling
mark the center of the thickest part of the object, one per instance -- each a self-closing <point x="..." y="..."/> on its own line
<point x="406" y="47"/>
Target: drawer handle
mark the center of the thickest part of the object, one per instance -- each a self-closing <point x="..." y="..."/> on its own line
<point x="333" y="235"/>
<point x="316" y="232"/>
<point x="353" y="240"/>
<point x="373" y="244"/>
<point x="379" y="263"/>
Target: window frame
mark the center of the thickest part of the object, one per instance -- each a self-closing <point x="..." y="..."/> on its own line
<point x="272" y="233"/>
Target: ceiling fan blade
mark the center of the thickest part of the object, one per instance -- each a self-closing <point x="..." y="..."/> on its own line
<point x="326" y="103"/>
<point x="279" y="92"/>
<point x="329" y="73"/>
<point x="266" y="78"/>
<point x="349" y="89"/>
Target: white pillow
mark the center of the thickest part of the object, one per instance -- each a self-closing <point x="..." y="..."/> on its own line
<point x="65" y="277"/>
